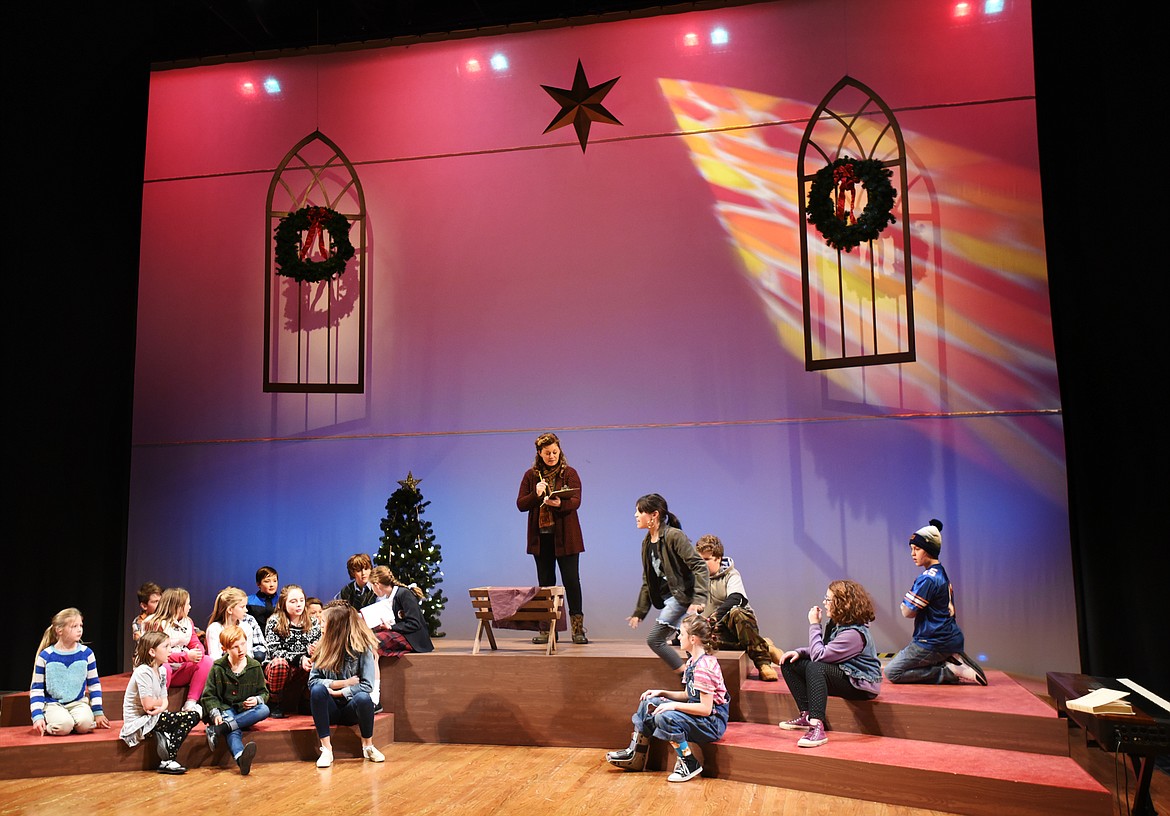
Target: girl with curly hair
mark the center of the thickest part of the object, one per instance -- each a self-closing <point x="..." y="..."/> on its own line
<point x="841" y="660"/>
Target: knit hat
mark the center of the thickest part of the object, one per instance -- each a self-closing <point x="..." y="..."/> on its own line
<point x="929" y="538"/>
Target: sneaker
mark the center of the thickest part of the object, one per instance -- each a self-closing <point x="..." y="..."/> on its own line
<point x="212" y="735"/>
<point x="801" y="723"/>
<point x="191" y="705"/>
<point x="373" y="754"/>
<point x="171" y="767"/>
<point x="162" y="745"/>
<point x="244" y="760"/>
<point x="326" y="759"/>
<point x="966" y="669"/>
<point x="814" y="737"/>
<point x="276" y="712"/>
<point x="767" y="673"/>
<point x="686" y="768"/>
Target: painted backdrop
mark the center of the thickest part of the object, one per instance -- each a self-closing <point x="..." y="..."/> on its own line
<point x="641" y="298"/>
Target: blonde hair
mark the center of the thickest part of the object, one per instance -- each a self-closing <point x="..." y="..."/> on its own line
<point x="52" y="634"/>
<point x="225" y="600"/>
<point x="147" y="644"/>
<point x="280" y="614"/>
<point x="345" y="634"/>
<point x="384" y="577"/>
<point x="170" y="608"/>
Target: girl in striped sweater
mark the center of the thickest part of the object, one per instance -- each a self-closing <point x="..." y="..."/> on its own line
<point x="65" y="695"/>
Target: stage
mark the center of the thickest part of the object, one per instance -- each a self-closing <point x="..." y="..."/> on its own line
<point x="965" y="749"/>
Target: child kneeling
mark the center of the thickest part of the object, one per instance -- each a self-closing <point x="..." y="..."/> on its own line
<point x="696" y="714"/>
<point x="235" y="696"/>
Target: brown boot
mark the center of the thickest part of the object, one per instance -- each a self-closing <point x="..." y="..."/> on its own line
<point x="776" y="653"/>
<point x="767" y="673"/>
<point x="578" y="624"/>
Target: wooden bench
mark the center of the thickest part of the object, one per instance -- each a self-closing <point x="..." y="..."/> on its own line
<point x="540" y="605"/>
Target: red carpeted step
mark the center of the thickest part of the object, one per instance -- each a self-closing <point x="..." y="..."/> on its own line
<point x="23" y="753"/>
<point x="957" y="715"/>
<point x="954" y="778"/>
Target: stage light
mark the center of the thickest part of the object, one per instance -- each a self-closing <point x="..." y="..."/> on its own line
<point x="992" y="6"/>
<point x="499" y="62"/>
<point x="247" y="88"/>
<point x="982" y="658"/>
<point x="962" y="10"/>
<point x="719" y="36"/>
<point x="473" y="66"/>
<point x="690" y="39"/>
<point x="272" y="85"/>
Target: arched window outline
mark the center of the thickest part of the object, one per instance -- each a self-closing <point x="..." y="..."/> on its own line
<point x="847" y="139"/>
<point x="343" y="317"/>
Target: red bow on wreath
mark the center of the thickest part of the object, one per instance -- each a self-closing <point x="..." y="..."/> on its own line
<point x="845" y="179"/>
<point x="316" y="216"/>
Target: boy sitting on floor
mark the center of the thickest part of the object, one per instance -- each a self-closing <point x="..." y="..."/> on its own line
<point x="728" y="606"/>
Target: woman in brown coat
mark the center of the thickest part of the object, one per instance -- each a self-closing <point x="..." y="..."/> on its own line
<point x="550" y="494"/>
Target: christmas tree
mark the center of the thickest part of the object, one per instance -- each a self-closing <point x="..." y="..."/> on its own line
<point x="409" y="549"/>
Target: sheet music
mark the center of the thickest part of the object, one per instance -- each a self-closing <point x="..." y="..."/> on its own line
<point x="1149" y="695"/>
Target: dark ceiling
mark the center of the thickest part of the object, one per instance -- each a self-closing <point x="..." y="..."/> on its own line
<point x="185" y="31"/>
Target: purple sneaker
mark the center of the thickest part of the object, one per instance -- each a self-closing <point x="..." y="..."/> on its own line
<point x="814" y="737"/>
<point x="801" y="723"/>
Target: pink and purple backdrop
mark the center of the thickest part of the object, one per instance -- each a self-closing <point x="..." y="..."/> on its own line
<point x="641" y="298"/>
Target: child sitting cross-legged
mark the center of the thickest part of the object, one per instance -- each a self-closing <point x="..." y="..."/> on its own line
<point x="235" y="697"/>
<point x="696" y="714"/>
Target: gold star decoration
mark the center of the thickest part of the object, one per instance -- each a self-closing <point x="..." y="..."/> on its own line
<point x="581" y="105"/>
<point x="410" y="482"/>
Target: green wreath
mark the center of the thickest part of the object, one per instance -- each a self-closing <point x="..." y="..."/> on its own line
<point x="292" y="258"/>
<point x="834" y="184"/>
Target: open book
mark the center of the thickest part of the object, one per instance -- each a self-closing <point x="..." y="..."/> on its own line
<point x="1102" y="701"/>
<point x="564" y="491"/>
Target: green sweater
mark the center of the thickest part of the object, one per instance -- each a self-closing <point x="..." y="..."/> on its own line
<point x="225" y="689"/>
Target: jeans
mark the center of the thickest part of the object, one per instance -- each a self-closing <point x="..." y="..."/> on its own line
<point x="916" y="664"/>
<point x="664" y="630"/>
<point x="238" y="722"/>
<point x="674" y="726"/>
<point x="329" y="710"/>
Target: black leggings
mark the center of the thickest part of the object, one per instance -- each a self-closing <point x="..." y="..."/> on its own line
<point x="175" y="725"/>
<point x="547" y="563"/>
<point x="811" y="682"/>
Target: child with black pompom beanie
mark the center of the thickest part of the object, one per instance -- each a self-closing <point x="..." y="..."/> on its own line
<point x="935" y="654"/>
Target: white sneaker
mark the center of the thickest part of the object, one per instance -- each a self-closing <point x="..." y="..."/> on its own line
<point x="191" y="705"/>
<point x="326" y="759"/>
<point x="373" y="754"/>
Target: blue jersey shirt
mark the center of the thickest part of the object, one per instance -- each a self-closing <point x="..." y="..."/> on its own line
<point x="934" y="625"/>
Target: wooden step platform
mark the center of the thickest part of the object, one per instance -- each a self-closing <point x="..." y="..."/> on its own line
<point x="24" y="754"/>
<point x="1002" y="714"/>
<point x="913" y="773"/>
<point x="991" y="750"/>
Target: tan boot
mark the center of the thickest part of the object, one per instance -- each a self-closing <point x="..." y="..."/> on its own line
<point x="776" y="653"/>
<point x="767" y="673"/>
<point x="578" y="624"/>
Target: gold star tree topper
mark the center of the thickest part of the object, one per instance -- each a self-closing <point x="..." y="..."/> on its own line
<point x="410" y="482"/>
<point x="581" y="105"/>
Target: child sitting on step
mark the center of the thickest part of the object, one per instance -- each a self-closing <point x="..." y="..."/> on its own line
<point x="341" y="683"/>
<point x="396" y="618"/>
<point x="727" y="605"/>
<point x="149" y="595"/>
<point x="231" y="609"/>
<point x="696" y="714"/>
<point x="189" y="663"/>
<point x="840" y="661"/>
<point x="235" y="696"/>
<point x="292" y="641"/>
<point x="144" y="709"/>
<point x="935" y="654"/>
<point x="65" y="695"/>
